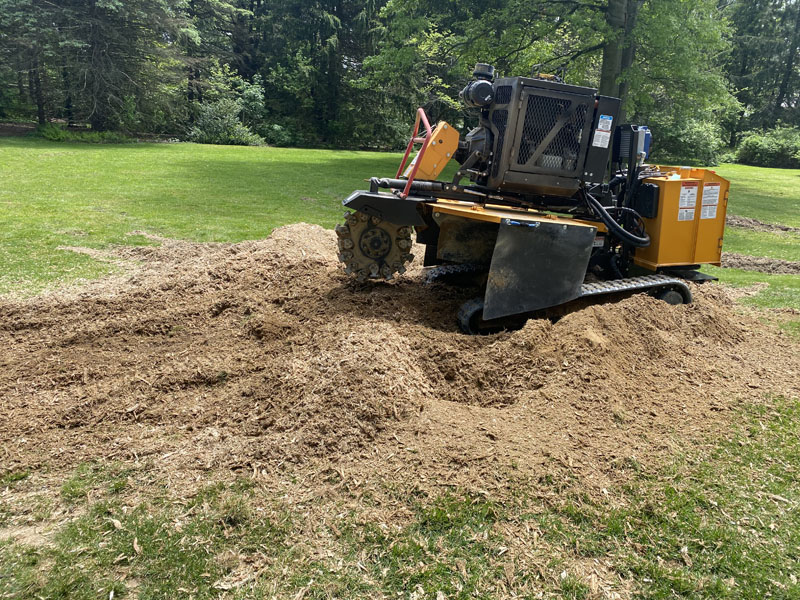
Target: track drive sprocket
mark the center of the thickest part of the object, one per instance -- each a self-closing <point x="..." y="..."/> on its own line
<point x="371" y="248"/>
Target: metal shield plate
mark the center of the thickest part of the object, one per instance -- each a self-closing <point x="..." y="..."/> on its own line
<point x="536" y="265"/>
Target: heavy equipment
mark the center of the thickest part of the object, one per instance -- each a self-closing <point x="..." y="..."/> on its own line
<point x="552" y="201"/>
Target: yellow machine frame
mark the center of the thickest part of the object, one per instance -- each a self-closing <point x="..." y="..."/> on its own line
<point x="689" y="226"/>
<point x="439" y="149"/>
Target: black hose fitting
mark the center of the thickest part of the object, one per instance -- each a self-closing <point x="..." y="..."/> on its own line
<point x="614" y="227"/>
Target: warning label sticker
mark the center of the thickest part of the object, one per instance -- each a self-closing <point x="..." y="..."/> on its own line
<point x="711" y="194"/>
<point x="689" y="194"/>
<point x="604" y="123"/>
<point x="601" y="139"/>
<point x="708" y="211"/>
<point x="686" y="214"/>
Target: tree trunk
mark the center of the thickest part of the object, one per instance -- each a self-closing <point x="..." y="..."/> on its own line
<point x="68" y="111"/>
<point x="20" y="85"/>
<point x="190" y="73"/>
<point x="612" y="51"/>
<point x="31" y="85"/>
<point x="98" y="91"/>
<point x="789" y="70"/>
<point x="628" y="51"/>
<point x="37" y="89"/>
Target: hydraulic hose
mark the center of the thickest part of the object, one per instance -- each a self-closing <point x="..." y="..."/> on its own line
<point x="614" y="227"/>
<point x="630" y="211"/>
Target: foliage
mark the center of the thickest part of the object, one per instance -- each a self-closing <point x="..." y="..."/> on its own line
<point x="762" y="66"/>
<point x="277" y="135"/>
<point x="684" y="140"/>
<point x="219" y="122"/>
<point x="428" y="51"/>
<point x="232" y="106"/>
<point x="777" y="147"/>
<point x="676" y="84"/>
<point x="350" y="74"/>
<point x="56" y="133"/>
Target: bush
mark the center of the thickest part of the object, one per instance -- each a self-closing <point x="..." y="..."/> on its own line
<point x="685" y="140"/>
<point x="777" y="147"/>
<point x="278" y="135"/>
<point x="56" y="133"/>
<point x="218" y="123"/>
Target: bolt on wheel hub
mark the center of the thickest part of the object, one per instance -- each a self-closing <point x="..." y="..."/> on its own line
<point x="375" y="243"/>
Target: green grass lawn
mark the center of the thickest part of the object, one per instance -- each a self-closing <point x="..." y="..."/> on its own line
<point x="769" y="195"/>
<point x="761" y="243"/>
<point x="55" y="195"/>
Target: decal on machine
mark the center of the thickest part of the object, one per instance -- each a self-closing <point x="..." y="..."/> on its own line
<point x="710" y="200"/>
<point x="708" y="212"/>
<point x="601" y="138"/>
<point x="602" y="135"/>
<point x="688" y="194"/>
<point x="688" y="200"/>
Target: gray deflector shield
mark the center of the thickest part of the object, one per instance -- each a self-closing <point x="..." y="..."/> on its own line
<point x="535" y="265"/>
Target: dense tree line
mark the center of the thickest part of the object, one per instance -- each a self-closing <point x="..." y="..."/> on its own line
<point x="349" y="73"/>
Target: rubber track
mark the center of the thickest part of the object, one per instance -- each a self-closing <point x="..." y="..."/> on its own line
<point x="435" y="274"/>
<point x="629" y="284"/>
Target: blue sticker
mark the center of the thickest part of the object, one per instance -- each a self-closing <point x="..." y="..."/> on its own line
<point x="605" y="122"/>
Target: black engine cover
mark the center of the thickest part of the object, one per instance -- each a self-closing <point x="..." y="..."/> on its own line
<point x="547" y="136"/>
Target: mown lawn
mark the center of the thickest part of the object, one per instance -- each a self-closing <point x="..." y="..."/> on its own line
<point x="769" y="195"/>
<point x="54" y="195"/>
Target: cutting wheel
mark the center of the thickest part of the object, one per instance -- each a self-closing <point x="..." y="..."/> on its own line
<point x="371" y="248"/>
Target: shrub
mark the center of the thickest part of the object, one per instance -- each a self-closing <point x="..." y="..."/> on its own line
<point x="685" y="140"/>
<point x="218" y="123"/>
<point x="777" y="147"/>
<point x="278" y="135"/>
<point x="56" y="133"/>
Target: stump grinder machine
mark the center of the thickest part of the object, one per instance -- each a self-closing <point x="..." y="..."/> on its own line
<point x="551" y="202"/>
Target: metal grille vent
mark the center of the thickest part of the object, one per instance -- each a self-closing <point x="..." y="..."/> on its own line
<point x="502" y="95"/>
<point x="544" y="114"/>
<point x="499" y="120"/>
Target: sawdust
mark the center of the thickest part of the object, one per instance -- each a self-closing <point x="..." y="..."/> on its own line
<point x="732" y="260"/>
<point x="254" y="356"/>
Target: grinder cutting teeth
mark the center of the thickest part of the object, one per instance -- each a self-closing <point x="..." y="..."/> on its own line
<point x="371" y="248"/>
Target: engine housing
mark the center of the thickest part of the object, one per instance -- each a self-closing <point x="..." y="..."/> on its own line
<point x="544" y="137"/>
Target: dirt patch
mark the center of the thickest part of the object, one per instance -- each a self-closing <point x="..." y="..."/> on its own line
<point x="756" y="225"/>
<point x="732" y="260"/>
<point x="248" y="357"/>
<point x="29" y="535"/>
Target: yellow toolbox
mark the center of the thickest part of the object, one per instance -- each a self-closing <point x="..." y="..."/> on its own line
<point x="689" y="224"/>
